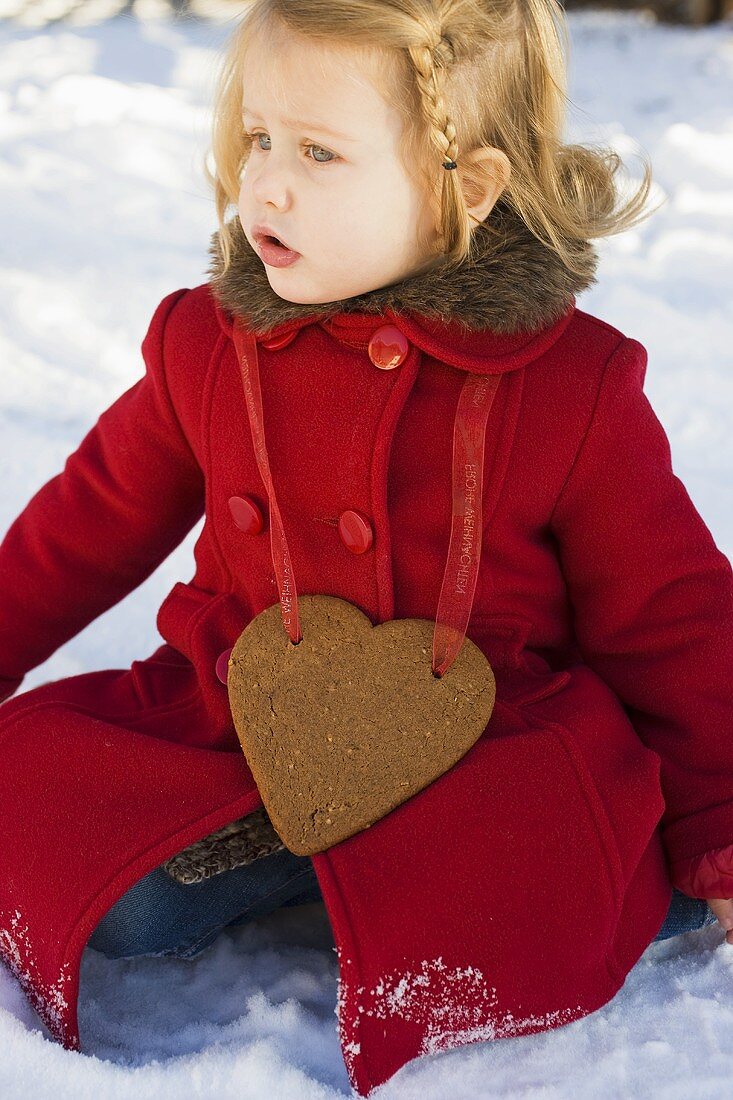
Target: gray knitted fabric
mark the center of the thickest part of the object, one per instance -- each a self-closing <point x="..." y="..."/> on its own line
<point x="235" y="845"/>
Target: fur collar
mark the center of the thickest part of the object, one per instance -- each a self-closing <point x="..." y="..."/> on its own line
<point x="512" y="283"/>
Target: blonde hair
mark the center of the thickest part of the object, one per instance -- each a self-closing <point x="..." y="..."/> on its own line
<point x="463" y="74"/>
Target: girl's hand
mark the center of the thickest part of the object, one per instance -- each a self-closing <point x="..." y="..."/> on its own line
<point x="723" y="909"/>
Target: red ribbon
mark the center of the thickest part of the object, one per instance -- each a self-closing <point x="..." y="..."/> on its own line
<point x="464" y="552"/>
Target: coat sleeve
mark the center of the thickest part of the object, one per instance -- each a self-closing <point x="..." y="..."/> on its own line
<point x="706" y="876"/>
<point x="652" y="597"/>
<point x="125" y="499"/>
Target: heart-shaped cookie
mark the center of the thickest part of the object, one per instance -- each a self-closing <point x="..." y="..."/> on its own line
<point x="349" y="723"/>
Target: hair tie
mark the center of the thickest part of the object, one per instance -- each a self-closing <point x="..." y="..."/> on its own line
<point x="450" y="164"/>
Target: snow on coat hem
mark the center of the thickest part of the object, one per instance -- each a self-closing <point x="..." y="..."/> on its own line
<point x="450" y="1019"/>
<point x="49" y="1001"/>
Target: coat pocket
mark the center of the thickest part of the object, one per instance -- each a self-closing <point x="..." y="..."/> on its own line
<point x="532" y="688"/>
<point x="179" y="611"/>
<point x="522" y="676"/>
<point x="202" y="625"/>
<point x="165" y="680"/>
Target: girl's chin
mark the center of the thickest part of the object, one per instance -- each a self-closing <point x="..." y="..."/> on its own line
<point x="284" y="286"/>
<point x="285" y="281"/>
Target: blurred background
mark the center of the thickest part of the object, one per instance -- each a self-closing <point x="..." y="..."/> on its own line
<point x="39" y="13"/>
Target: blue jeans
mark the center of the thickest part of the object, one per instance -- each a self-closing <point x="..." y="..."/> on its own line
<point x="685" y="915"/>
<point x="159" y="916"/>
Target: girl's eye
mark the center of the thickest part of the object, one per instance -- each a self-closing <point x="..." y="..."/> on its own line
<point x="261" y="133"/>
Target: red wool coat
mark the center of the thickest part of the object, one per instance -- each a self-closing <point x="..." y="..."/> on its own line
<point x="602" y="603"/>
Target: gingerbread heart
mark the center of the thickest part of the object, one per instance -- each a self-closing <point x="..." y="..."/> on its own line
<point x="349" y="723"/>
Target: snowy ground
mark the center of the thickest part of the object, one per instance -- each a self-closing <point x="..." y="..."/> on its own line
<point x="104" y="211"/>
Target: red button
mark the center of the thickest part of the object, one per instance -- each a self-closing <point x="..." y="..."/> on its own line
<point x="355" y="532"/>
<point x="246" y="515"/>
<point x="222" y="665"/>
<point x="274" y="343"/>
<point x="388" y="347"/>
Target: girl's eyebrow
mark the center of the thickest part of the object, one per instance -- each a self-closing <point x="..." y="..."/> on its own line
<point x="299" y="124"/>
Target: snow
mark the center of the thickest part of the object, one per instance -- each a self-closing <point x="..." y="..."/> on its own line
<point x="455" y="1010"/>
<point x="105" y="210"/>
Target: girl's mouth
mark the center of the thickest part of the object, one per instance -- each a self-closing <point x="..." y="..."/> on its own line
<point x="274" y="253"/>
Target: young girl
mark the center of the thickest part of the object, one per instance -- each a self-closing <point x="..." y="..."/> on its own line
<point x="402" y="433"/>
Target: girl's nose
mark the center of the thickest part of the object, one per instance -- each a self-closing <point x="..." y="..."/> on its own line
<point x="271" y="187"/>
<point x="271" y="180"/>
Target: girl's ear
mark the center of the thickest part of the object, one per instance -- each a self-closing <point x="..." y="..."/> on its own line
<point x="484" y="173"/>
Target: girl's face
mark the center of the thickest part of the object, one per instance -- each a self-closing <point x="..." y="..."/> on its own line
<point x="324" y="174"/>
